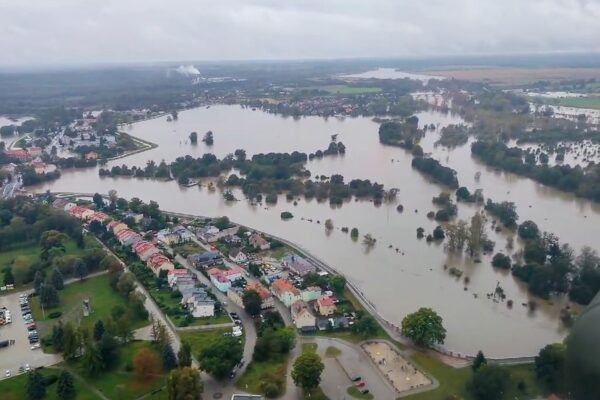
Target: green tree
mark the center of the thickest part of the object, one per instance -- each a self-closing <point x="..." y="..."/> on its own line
<point x="98" y="330"/>
<point x="48" y="296"/>
<point x="550" y="365"/>
<point x="479" y="361"/>
<point x="354" y="233"/>
<point x="35" y="386"/>
<point x="194" y="137"/>
<point x="220" y="357"/>
<point x="80" y="269"/>
<point x="108" y="347"/>
<point x="9" y="278"/>
<point x="307" y="370"/>
<point x="58" y="337"/>
<point x="366" y="326"/>
<point x="489" y="383"/>
<point x="184" y="384"/>
<point x="57" y="279"/>
<point x="184" y="355"/>
<point x="98" y="201"/>
<point x="501" y="261"/>
<point x="252" y="302"/>
<point x="338" y="283"/>
<point x="65" y="388"/>
<point x="169" y="361"/>
<point x="528" y="230"/>
<point x="424" y="327"/>
<point x="38" y="281"/>
<point x="92" y="359"/>
<point x="50" y="239"/>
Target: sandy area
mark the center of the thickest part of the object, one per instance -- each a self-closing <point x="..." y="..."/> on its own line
<point x="399" y="371"/>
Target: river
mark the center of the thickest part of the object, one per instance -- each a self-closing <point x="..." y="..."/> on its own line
<point x="397" y="283"/>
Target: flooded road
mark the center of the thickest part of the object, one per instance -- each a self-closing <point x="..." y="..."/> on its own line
<point x="396" y="282"/>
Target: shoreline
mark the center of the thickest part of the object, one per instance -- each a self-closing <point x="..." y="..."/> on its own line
<point x="445" y="355"/>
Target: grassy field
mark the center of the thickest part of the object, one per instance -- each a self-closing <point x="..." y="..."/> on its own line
<point x="97" y="290"/>
<point x="188" y="248"/>
<point x="201" y="339"/>
<point x="578" y="102"/>
<point x="120" y="383"/>
<point x="344" y="89"/>
<point x="214" y="320"/>
<point x="354" y="392"/>
<point x="332" y="352"/>
<point x="14" y="388"/>
<point x="259" y="373"/>
<point x="453" y="381"/>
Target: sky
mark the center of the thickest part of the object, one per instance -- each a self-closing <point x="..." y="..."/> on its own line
<point x="62" y="32"/>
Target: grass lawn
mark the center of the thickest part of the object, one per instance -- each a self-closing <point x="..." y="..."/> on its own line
<point x="214" y="320"/>
<point x="332" y="352"/>
<point x="354" y="392"/>
<point x="97" y="290"/>
<point x="453" y="380"/>
<point x="579" y="102"/>
<point x="185" y="249"/>
<point x="14" y="388"/>
<point x="120" y="383"/>
<point x="257" y="373"/>
<point x="309" y="347"/>
<point x="315" y="394"/>
<point x="201" y="339"/>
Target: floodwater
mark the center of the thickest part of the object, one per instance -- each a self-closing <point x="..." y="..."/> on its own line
<point x="396" y="282"/>
<point x="391" y="73"/>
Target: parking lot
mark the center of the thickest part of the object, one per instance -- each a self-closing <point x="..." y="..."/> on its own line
<point x="20" y="353"/>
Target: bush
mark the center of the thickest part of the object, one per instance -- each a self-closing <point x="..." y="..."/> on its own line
<point x="50" y="379"/>
<point x="286" y="215"/>
<point x="129" y="366"/>
<point x="271" y="390"/>
<point x="501" y="261"/>
<point x="55" y="314"/>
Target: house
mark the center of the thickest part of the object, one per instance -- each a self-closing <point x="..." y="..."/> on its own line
<point x="222" y="278"/>
<point x="11" y="168"/>
<point x="81" y="213"/>
<point x="158" y="262"/>
<point x="184" y="234"/>
<point x="34" y="151"/>
<point x="127" y="237"/>
<point x="311" y="293"/>
<point x="39" y="167"/>
<point x="265" y="296"/>
<point x="198" y="302"/>
<point x="297" y="264"/>
<point x="92" y="155"/>
<point x="144" y="249"/>
<point x="211" y="233"/>
<point x="258" y="242"/>
<point x="202" y="260"/>
<point x="59" y="203"/>
<point x="174" y="275"/>
<point x="285" y="291"/>
<point x="167" y="237"/>
<point x="238" y="257"/>
<point x="302" y="317"/>
<point x="18" y="154"/>
<point x="324" y="323"/>
<point x="325" y="306"/>
<point x="99" y="217"/>
<point x="118" y="227"/>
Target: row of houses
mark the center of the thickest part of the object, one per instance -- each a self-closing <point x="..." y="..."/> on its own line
<point x="211" y="233"/>
<point x="26" y="154"/>
<point x="304" y="304"/>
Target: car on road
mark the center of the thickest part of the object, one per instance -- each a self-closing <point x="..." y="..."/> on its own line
<point x="27" y="368"/>
<point x="355" y="378"/>
<point x="21" y="369"/>
<point x="365" y="391"/>
<point x="35" y="346"/>
<point x="7" y="373"/>
<point x="237" y="322"/>
<point x="234" y="315"/>
<point x="359" y="384"/>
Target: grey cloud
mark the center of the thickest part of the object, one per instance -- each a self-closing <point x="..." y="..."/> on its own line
<point x="93" y="31"/>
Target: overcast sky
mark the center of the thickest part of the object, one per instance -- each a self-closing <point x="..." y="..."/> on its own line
<point x="107" y="31"/>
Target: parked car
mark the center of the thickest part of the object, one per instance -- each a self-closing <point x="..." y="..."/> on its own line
<point x="21" y="369"/>
<point x="35" y="346"/>
<point x="234" y="315"/>
<point x="365" y="391"/>
<point x="359" y="384"/>
<point x="356" y="378"/>
<point x="7" y="373"/>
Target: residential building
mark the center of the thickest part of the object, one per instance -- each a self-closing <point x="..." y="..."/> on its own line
<point x="158" y="262"/>
<point x="119" y="227"/>
<point x="311" y="293"/>
<point x="325" y="306"/>
<point x="92" y="155"/>
<point x="81" y="213"/>
<point x="285" y="291"/>
<point x="259" y="242"/>
<point x="211" y="233"/>
<point x="297" y="264"/>
<point x="19" y="154"/>
<point x="237" y="256"/>
<point x="167" y="237"/>
<point x="174" y="275"/>
<point x="206" y="259"/>
<point x="127" y="237"/>
<point x="34" y="151"/>
<point x="302" y="317"/>
<point x="222" y="278"/>
<point x="184" y="234"/>
<point x="265" y="296"/>
<point x="197" y="301"/>
<point x="98" y="216"/>
<point x="144" y="249"/>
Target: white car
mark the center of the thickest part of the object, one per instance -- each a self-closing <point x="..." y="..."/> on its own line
<point x="27" y="368"/>
<point x="7" y="373"/>
<point x="35" y="346"/>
